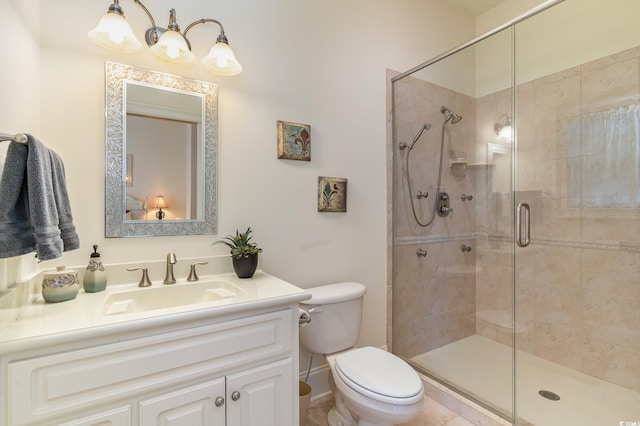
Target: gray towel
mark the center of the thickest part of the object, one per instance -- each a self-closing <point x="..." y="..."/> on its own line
<point x="70" y="240"/>
<point x="44" y="189"/>
<point x="16" y="234"/>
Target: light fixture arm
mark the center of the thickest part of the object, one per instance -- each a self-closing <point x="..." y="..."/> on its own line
<point x="222" y="38"/>
<point x="151" y="36"/>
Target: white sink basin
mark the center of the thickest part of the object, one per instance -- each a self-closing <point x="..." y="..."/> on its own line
<point x="169" y="296"/>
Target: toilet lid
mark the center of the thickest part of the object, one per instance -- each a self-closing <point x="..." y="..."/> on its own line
<point x="379" y="375"/>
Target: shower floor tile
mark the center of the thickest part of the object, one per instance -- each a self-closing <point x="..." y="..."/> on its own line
<point x="482" y="367"/>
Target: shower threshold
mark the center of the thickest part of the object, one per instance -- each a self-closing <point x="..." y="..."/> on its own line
<point x="481" y="368"/>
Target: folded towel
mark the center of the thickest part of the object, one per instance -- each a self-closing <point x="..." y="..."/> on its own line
<point x="16" y="234"/>
<point x="40" y="180"/>
<point x="70" y="240"/>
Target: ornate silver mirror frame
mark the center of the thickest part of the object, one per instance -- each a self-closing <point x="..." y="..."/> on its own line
<point x="117" y="76"/>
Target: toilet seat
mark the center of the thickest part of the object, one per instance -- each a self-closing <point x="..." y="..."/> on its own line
<point x="379" y="375"/>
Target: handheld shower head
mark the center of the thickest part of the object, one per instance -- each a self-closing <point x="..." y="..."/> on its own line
<point x="449" y="115"/>
<point x="426" y="126"/>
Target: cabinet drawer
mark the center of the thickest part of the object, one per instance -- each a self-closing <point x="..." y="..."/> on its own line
<point x="69" y="381"/>
<point x="117" y="416"/>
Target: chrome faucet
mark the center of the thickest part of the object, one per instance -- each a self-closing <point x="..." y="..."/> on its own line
<point x="169" y="278"/>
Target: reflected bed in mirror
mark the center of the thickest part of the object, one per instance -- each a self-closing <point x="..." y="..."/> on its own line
<point x="161" y="145"/>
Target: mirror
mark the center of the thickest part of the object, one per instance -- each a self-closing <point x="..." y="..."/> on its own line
<point x="161" y="145"/>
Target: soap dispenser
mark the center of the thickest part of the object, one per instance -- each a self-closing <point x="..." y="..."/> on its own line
<point x="95" y="277"/>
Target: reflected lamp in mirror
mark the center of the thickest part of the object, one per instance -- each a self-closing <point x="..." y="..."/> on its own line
<point x="160" y="204"/>
<point x="503" y="128"/>
<point x="170" y="45"/>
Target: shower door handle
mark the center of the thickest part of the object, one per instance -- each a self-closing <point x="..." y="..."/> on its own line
<point x="523" y="209"/>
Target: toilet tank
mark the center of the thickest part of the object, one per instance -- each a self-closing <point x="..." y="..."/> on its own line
<point x="336" y="312"/>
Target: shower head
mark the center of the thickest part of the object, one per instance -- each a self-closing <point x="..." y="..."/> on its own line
<point x="449" y="115"/>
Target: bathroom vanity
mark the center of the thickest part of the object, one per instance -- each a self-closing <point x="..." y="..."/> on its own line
<point x="228" y="358"/>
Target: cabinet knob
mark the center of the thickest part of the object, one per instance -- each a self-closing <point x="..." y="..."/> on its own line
<point x="235" y="395"/>
<point x="219" y="401"/>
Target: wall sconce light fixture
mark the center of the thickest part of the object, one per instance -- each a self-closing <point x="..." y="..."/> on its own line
<point x="114" y="32"/>
<point x="160" y="204"/>
<point x="503" y="127"/>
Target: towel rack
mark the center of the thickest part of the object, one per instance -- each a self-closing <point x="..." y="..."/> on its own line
<point x="20" y="138"/>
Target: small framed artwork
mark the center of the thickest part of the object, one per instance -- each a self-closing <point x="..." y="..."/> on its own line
<point x="332" y="194"/>
<point x="294" y="141"/>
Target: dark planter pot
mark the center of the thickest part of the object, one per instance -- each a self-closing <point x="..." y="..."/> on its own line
<point x="245" y="266"/>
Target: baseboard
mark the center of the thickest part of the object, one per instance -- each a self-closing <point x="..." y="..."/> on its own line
<point x="319" y="381"/>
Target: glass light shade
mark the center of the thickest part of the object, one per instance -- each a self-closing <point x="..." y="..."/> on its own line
<point x="173" y="48"/>
<point x="506" y="132"/>
<point x="113" y="32"/>
<point x="221" y="60"/>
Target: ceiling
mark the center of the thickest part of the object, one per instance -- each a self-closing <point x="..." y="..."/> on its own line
<point x="474" y="7"/>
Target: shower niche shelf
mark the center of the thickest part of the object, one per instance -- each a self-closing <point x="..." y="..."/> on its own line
<point x="480" y="166"/>
<point x="462" y="164"/>
<point x="458" y="164"/>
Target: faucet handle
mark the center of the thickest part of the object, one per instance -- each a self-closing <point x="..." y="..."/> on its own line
<point x="144" y="280"/>
<point x="192" y="273"/>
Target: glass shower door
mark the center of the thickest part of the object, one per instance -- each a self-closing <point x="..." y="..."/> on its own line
<point x="453" y="273"/>
<point x="577" y="162"/>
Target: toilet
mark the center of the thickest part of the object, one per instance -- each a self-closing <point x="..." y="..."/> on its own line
<point x="372" y="387"/>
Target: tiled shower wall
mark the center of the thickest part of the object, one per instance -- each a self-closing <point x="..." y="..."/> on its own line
<point x="577" y="290"/>
<point x="435" y="294"/>
<point x="578" y="284"/>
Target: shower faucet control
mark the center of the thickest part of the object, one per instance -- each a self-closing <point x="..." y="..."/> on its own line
<point x="443" y="207"/>
<point x="421" y="194"/>
<point x="444" y="211"/>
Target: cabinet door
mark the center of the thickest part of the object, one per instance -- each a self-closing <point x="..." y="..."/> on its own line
<point x="194" y="405"/>
<point x="263" y="396"/>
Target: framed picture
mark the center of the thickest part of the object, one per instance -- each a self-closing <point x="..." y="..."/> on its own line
<point x="332" y="194"/>
<point x="294" y="141"/>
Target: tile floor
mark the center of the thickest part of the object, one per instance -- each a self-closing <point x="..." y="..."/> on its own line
<point x="433" y="414"/>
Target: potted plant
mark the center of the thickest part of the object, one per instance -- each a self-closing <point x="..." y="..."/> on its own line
<point x="243" y="252"/>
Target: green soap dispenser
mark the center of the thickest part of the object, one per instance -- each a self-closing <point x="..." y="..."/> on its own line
<point x="95" y="277"/>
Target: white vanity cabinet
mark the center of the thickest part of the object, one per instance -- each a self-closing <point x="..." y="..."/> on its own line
<point x="235" y="370"/>
<point x="250" y="397"/>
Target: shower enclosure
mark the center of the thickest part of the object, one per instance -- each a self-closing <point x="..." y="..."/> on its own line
<point x="516" y="216"/>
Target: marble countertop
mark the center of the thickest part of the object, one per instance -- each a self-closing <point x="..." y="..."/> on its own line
<point x="53" y="323"/>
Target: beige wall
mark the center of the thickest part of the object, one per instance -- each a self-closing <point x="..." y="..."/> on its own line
<point x="321" y="63"/>
<point x="20" y="99"/>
